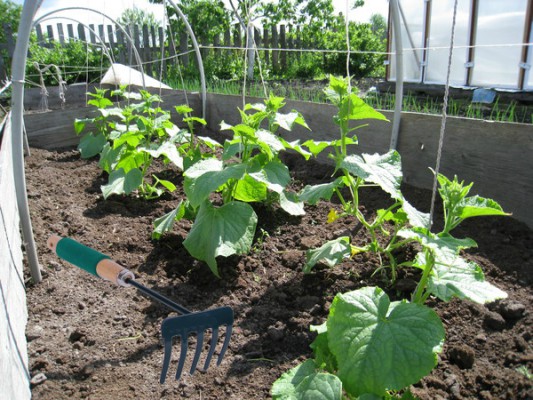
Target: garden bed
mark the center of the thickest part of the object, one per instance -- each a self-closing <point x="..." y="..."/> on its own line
<point x="90" y="339"/>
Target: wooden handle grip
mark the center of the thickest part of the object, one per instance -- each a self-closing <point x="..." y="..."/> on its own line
<point x="90" y="260"/>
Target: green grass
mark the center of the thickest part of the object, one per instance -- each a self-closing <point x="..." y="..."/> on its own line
<point x="307" y="91"/>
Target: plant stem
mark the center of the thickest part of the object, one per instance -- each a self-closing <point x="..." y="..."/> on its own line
<point x="420" y="294"/>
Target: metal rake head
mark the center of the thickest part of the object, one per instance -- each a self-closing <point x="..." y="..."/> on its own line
<point x="197" y="322"/>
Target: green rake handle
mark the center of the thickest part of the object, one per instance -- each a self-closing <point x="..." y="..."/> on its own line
<point x="90" y="260"/>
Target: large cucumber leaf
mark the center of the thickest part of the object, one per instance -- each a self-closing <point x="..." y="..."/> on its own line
<point x="303" y="382"/>
<point x="121" y="182"/>
<point x="206" y="176"/>
<point x="331" y="253"/>
<point x="221" y="231"/>
<point x="384" y="170"/>
<point x="380" y="345"/>
<point x="453" y="276"/>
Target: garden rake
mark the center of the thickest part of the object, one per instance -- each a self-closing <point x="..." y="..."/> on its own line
<point x="182" y="326"/>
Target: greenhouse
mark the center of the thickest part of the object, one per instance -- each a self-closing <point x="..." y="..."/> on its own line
<point x="255" y="199"/>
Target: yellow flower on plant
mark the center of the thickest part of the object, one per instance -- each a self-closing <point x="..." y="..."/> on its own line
<point x="332" y="216"/>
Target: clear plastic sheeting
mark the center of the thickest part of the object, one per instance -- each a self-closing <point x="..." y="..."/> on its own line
<point x="499" y="23"/>
<point x="439" y="41"/>
<point x="491" y="43"/>
<point x="411" y="11"/>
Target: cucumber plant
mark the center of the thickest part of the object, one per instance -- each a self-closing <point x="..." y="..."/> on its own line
<point x="370" y="347"/>
<point x="128" y="139"/>
<point x="219" y="191"/>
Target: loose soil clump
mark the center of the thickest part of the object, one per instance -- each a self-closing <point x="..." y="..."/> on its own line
<point x="89" y="339"/>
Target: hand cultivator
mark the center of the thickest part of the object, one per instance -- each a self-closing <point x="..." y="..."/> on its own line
<point x="182" y="326"/>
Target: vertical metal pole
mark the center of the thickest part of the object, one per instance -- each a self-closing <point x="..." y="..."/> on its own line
<point x="18" y="67"/>
<point x="395" y="14"/>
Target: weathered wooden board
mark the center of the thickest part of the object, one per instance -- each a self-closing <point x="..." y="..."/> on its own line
<point x="496" y="156"/>
<point x="14" y="383"/>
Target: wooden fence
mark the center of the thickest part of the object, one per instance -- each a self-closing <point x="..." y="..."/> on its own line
<point x="158" y="49"/>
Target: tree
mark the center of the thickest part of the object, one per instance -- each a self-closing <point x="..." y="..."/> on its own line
<point x="137" y="16"/>
<point x="9" y="14"/>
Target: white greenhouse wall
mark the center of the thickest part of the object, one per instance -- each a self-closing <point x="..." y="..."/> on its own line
<point x="489" y="44"/>
<point x="14" y="381"/>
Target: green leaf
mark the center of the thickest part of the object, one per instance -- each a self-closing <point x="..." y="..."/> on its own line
<point x="109" y="158"/>
<point x="316" y="147"/>
<point x="100" y="102"/>
<point x="183" y="109"/>
<point x="122" y="183"/>
<point x="79" y="124"/>
<point x="269" y="142"/>
<point x="436" y="242"/>
<point x="166" y="222"/>
<point x="295" y="145"/>
<point x="91" y="145"/>
<point x="313" y="194"/>
<point x="384" y="170"/>
<point x="380" y="345"/>
<point x="201" y="121"/>
<point x="453" y="276"/>
<point x="331" y="253"/>
<point x="354" y="108"/>
<point x="249" y="190"/>
<point x="169" y="150"/>
<point x="476" y="206"/>
<point x="132" y="138"/>
<point x="287" y="121"/>
<point x="274" y="174"/>
<point x="206" y="176"/>
<point x="166" y="184"/>
<point x="115" y="112"/>
<point x="221" y="231"/>
<point x="416" y="218"/>
<point x="303" y="382"/>
<point x="290" y="202"/>
<point x="323" y="356"/>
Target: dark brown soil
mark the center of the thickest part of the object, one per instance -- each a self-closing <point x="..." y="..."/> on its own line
<point x="97" y="341"/>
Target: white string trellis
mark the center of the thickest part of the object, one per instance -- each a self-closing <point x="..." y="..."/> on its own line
<point x="444" y="116"/>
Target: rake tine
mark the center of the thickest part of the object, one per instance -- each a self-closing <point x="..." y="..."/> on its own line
<point x="229" y="329"/>
<point x="212" y="345"/>
<point x="166" y="360"/>
<point x="183" y="356"/>
<point x="199" y="345"/>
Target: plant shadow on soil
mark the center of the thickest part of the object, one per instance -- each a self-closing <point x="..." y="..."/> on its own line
<point x="93" y="340"/>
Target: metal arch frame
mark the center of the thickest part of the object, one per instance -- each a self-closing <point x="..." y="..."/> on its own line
<point x="109" y="55"/>
<point x="26" y="25"/>
<point x="17" y="99"/>
<point x="198" y="54"/>
<point x="132" y="43"/>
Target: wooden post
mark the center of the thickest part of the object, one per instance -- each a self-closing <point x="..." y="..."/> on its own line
<point x="146" y="50"/>
<point x="266" y="46"/>
<point x="121" y="46"/>
<point x="50" y="39"/>
<point x="274" y="45"/>
<point x="81" y="33"/>
<point x="184" y="40"/>
<point x="92" y="38"/>
<point x="112" y="43"/>
<point x="60" y="34"/>
<point x="39" y="32"/>
<point x="237" y="40"/>
<point x="137" y="40"/>
<point x="70" y="32"/>
<point x="163" y="55"/>
<point x="101" y="33"/>
<point x="283" y="46"/>
<point x="227" y="42"/>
